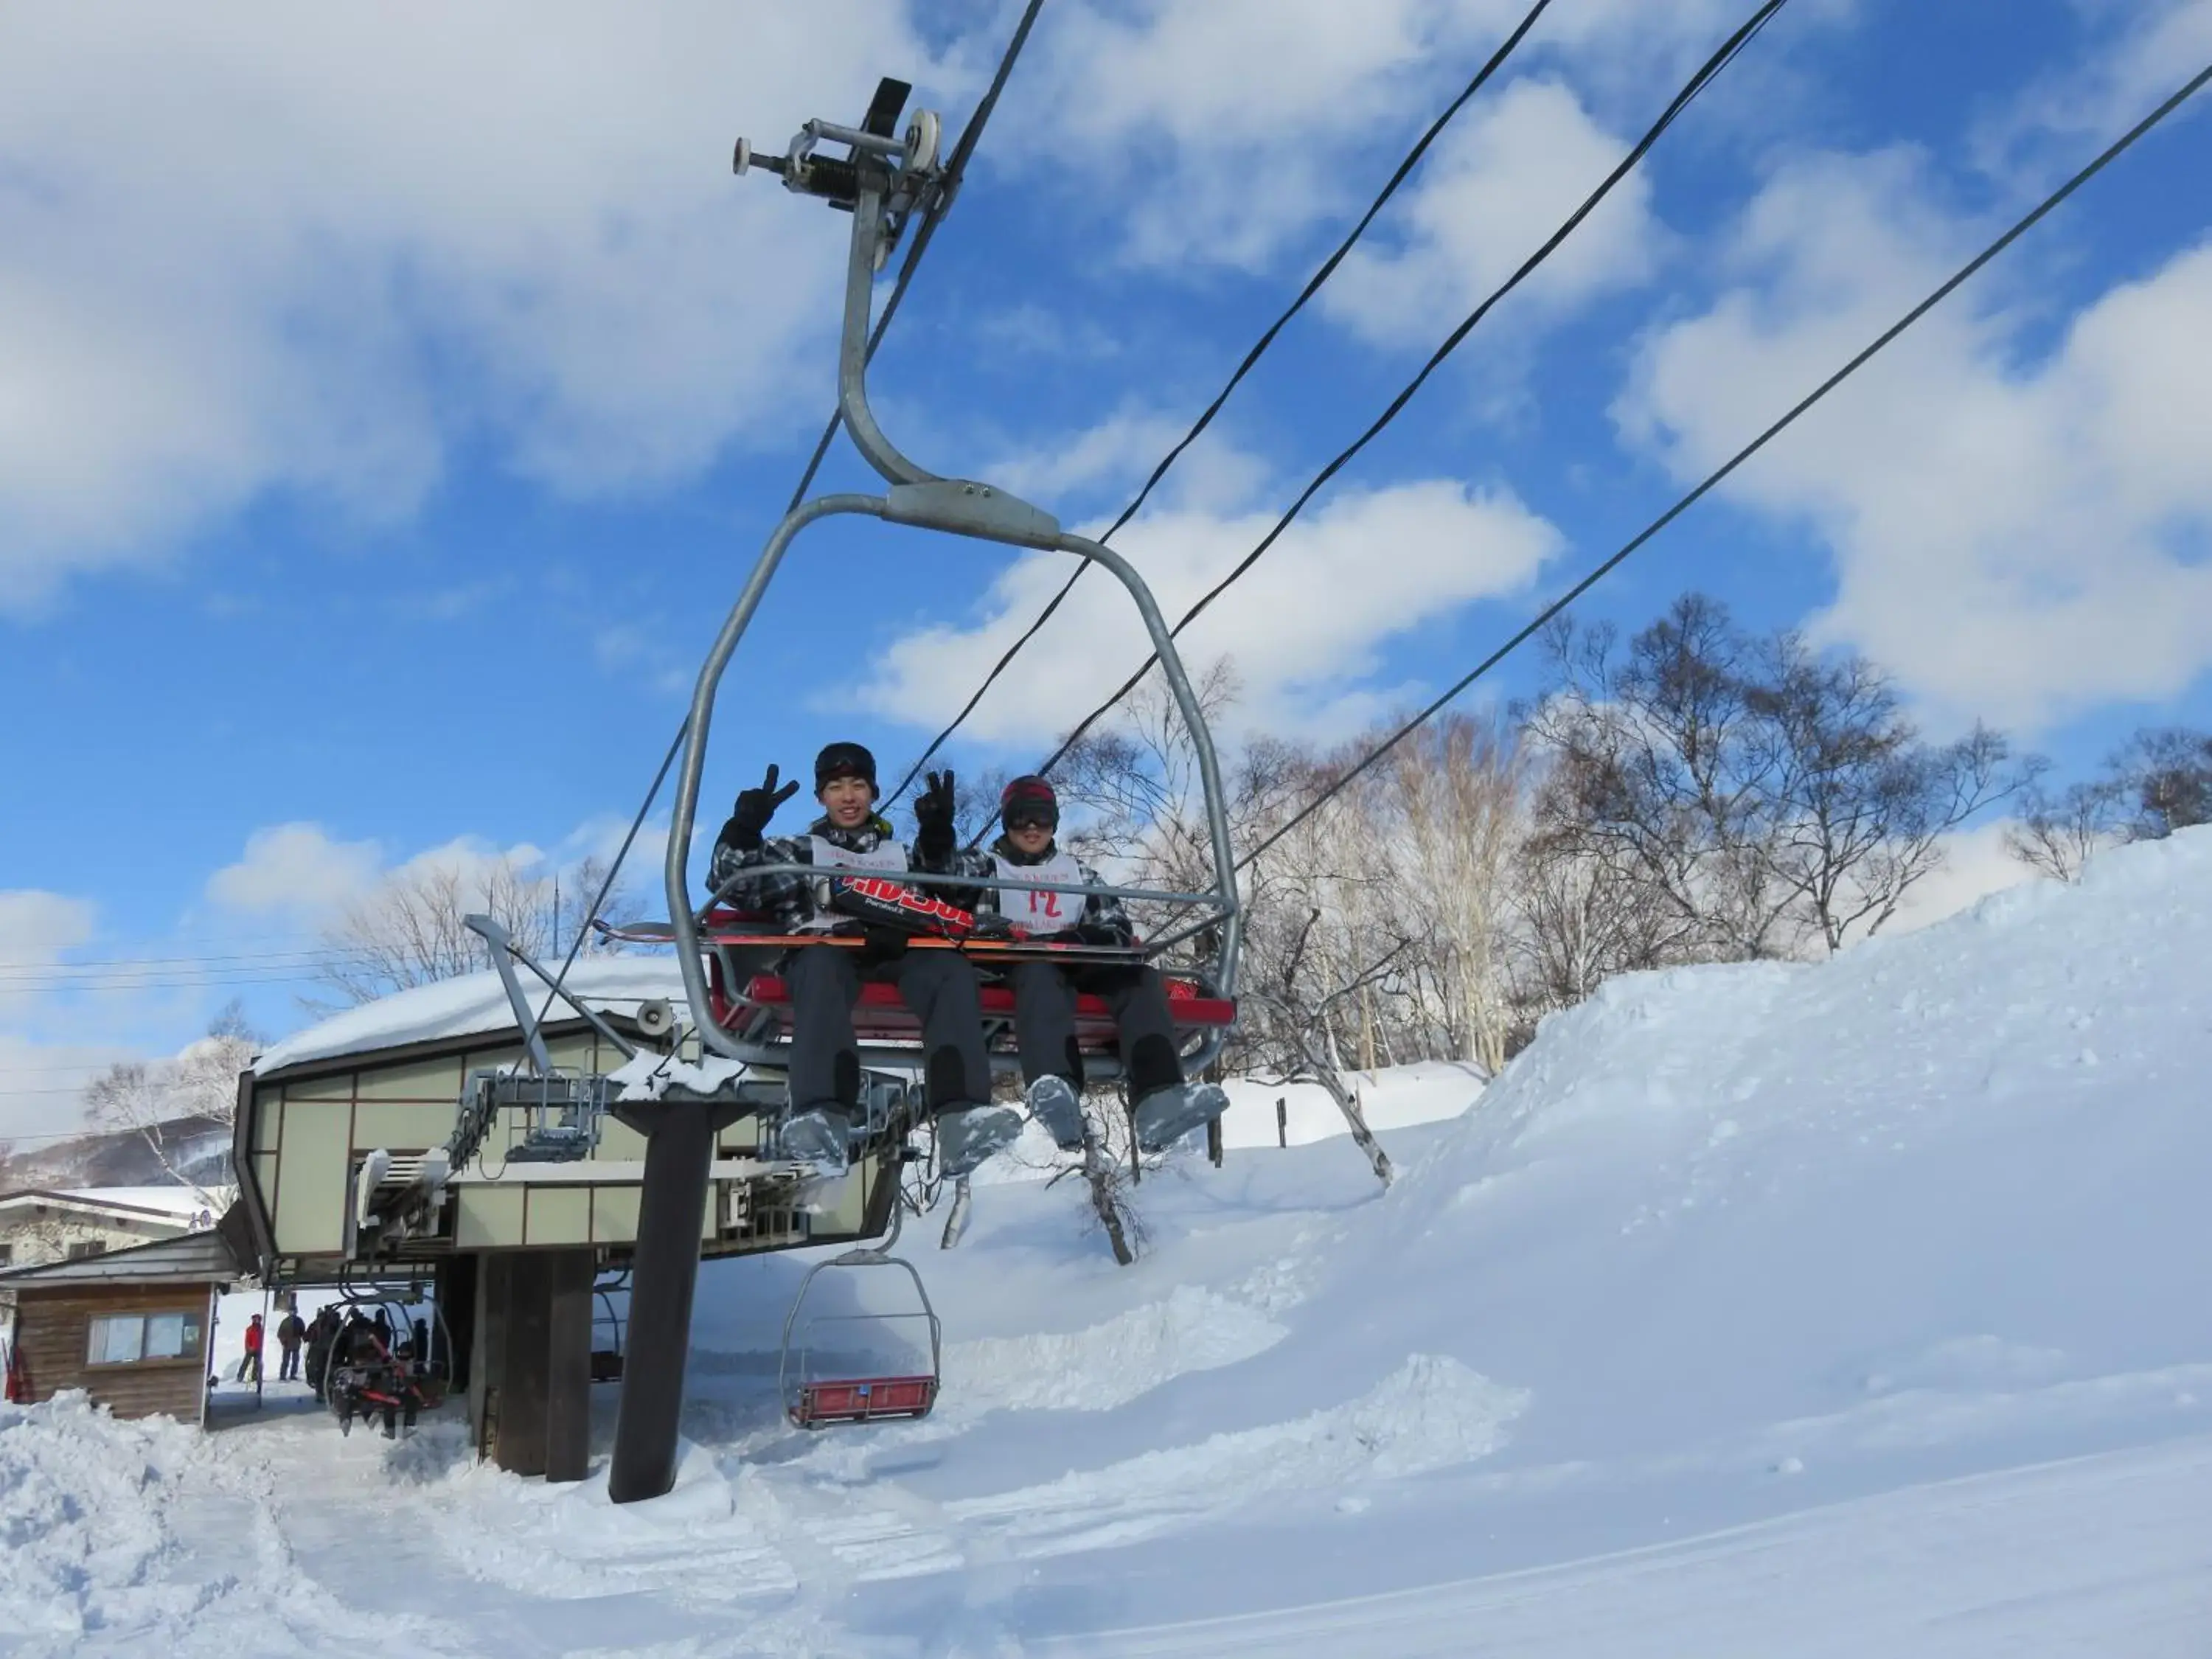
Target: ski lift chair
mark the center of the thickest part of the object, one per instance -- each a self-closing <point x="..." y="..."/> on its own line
<point x="607" y="1359"/>
<point x="750" y="1000"/>
<point x="742" y="1011"/>
<point x="816" y="1399"/>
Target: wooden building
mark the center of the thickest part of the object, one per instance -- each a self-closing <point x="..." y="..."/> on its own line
<point x="129" y="1327"/>
<point x="335" y="1120"/>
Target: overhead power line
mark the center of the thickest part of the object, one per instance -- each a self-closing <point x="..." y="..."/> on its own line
<point x="1328" y="268"/>
<point x="28" y="964"/>
<point x="1707" y="73"/>
<point x="1713" y="480"/>
<point x="127" y="982"/>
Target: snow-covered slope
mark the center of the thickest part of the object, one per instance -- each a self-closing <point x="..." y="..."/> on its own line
<point x="1756" y="1310"/>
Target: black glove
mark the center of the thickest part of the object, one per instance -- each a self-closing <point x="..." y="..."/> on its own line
<point x="933" y="820"/>
<point x="1098" y="932"/>
<point x="754" y="809"/>
<point x="990" y="924"/>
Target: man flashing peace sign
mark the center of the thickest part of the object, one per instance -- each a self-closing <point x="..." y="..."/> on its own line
<point x="941" y="986"/>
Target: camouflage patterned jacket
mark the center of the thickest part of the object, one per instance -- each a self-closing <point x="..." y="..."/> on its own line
<point x="790" y="899"/>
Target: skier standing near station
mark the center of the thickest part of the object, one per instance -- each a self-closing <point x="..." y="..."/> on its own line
<point x="941" y="986"/>
<point x="291" y="1331"/>
<point x="251" y="1359"/>
<point x="1166" y="1107"/>
<point x="321" y="1334"/>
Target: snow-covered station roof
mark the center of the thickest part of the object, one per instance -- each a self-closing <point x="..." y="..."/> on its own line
<point x="473" y="1003"/>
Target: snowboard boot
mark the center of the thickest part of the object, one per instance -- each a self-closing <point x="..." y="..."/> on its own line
<point x="822" y="1137"/>
<point x="1166" y="1115"/>
<point x="966" y="1135"/>
<point x="1052" y="1102"/>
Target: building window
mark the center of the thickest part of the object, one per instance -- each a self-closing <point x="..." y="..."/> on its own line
<point x="7" y="1251"/>
<point x="131" y="1339"/>
<point x="78" y="1251"/>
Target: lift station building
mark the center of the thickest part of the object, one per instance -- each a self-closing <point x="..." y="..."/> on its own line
<point x="334" y="1121"/>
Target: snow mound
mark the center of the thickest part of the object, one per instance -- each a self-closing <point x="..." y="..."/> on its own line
<point x="80" y="1523"/>
<point x="1714" y="1197"/>
<point x="1394" y="1097"/>
<point x="1431" y="1412"/>
<point x="1107" y="1365"/>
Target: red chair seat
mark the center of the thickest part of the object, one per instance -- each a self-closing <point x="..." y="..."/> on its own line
<point x="881" y="1016"/>
<point x="863" y="1400"/>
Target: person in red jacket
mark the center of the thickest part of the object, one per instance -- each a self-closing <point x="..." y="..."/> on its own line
<point x="251" y="1359"/>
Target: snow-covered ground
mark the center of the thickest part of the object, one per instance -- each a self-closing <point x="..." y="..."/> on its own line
<point x="1853" y="1310"/>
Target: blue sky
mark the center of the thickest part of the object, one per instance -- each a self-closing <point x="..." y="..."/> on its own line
<point x="390" y="407"/>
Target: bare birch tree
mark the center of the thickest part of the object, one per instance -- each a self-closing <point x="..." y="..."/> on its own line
<point x="1766" y="796"/>
<point x="160" y="1101"/>
<point x="409" y="931"/>
<point x="1453" y="824"/>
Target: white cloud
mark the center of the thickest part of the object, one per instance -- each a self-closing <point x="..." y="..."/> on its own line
<point x="247" y="247"/>
<point x="1224" y="122"/>
<point x="2016" y="536"/>
<point x="1226" y="128"/>
<point x="1975" y="864"/>
<point x="639" y="650"/>
<point x="297" y="870"/>
<point x="1494" y="187"/>
<point x="42" y="1084"/>
<point x="2157" y="45"/>
<point x="473" y="859"/>
<point x="1312" y="616"/>
<point x="1119" y="453"/>
<point x="37" y="929"/>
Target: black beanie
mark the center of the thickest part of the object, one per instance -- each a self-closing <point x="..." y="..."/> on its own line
<point x="844" y="760"/>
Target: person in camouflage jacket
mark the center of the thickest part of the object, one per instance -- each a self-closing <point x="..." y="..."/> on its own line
<point x="939" y="987"/>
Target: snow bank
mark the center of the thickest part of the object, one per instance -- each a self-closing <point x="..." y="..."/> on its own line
<point x="1394" y="1097"/>
<point x="1768" y="1193"/>
<point x="1823" y="1242"/>
<point x="80" y="1520"/>
<point x="474" y="1002"/>
<point x="1430" y="1414"/>
<point x="1109" y="1363"/>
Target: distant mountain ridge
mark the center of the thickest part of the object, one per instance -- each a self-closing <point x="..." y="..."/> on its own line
<point x="199" y="1146"/>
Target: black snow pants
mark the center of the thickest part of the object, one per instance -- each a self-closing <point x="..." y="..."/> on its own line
<point x="940" y="986"/>
<point x="1044" y="1021"/>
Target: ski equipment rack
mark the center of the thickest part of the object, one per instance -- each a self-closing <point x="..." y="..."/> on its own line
<point x="817" y="1402"/>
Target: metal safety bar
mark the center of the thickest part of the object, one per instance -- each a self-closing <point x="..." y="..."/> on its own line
<point x="951" y="507"/>
<point x="948" y="879"/>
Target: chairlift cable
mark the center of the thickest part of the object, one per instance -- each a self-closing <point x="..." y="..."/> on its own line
<point x="1965" y="273"/>
<point x="955" y="166"/>
<point x="1706" y="74"/>
<point x="1328" y="268"/>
